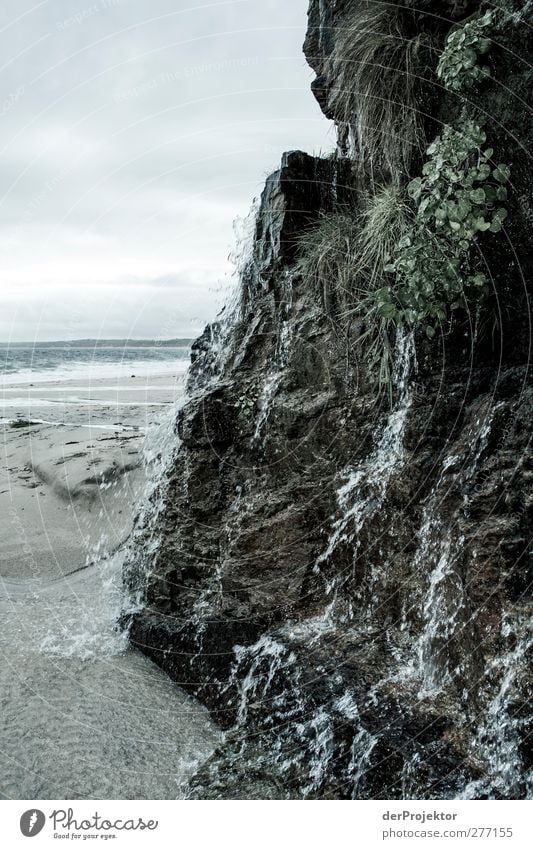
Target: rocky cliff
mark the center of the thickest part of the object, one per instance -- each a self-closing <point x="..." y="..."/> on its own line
<point x="343" y="575"/>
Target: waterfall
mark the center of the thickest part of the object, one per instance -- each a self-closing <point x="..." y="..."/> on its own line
<point x="409" y="777"/>
<point x="362" y="746"/>
<point x="364" y="492"/>
<point x="160" y="449"/>
<point x="439" y="547"/>
<point x="264" y="660"/>
<point x="441" y="609"/>
<point x="496" y="742"/>
<point x="279" y="363"/>
<point x="162" y="444"/>
<point x="300" y="738"/>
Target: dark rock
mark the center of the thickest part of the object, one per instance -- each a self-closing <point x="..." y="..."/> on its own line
<point x="344" y="585"/>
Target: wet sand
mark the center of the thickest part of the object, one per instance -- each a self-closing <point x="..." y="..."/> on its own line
<point x="83" y="716"/>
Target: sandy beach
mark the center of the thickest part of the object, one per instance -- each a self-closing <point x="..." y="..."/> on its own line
<point x="71" y="467"/>
<point x="83" y="715"/>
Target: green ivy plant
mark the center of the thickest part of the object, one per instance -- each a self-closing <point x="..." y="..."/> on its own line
<point x="459" y="196"/>
<point x="246" y="405"/>
<point x="459" y="190"/>
<point x="432" y="270"/>
<point x="458" y="67"/>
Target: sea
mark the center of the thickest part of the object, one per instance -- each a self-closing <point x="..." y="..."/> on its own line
<point x="91" y="358"/>
<point x="104" y="382"/>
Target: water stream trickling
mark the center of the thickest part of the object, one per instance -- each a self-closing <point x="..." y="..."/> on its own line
<point x="297" y="735"/>
<point x="275" y="373"/>
<point x="496" y="742"/>
<point x="440" y="545"/>
<point x="364" y="491"/>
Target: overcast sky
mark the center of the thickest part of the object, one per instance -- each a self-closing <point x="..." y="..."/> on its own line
<point x="133" y="133"/>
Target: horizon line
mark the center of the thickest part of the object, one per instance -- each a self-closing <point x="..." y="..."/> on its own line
<point x="90" y="339"/>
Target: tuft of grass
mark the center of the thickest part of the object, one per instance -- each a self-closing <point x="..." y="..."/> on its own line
<point x="376" y="65"/>
<point x="345" y="254"/>
<point x="344" y="257"/>
<point x="327" y="256"/>
<point x="384" y="221"/>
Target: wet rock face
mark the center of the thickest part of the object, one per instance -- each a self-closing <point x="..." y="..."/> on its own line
<point x="327" y="17"/>
<point x="347" y="584"/>
<point x="328" y="21"/>
<point x="239" y="490"/>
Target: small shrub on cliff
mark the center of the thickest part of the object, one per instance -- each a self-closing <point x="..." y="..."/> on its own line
<point x="345" y="254"/>
<point x="458" y="197"/>
<point x="344" y="257"/>
<point x="429" y="270"/>
<point x="458" y="67"/>
<point x="406" y="259"/>
<point x="384" y="222"/>
<point x="328" y="255"/>
<point x="377" y="67"/>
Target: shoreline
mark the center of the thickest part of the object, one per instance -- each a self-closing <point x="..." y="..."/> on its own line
<point x="71" y="471"/>
<point x="68" y="493"/>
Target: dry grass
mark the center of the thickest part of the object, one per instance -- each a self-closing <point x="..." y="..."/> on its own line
<point x="343" y="257"/>
<point x="377" y="66"/>
<point x="328" y="254"/>
<point x="383" y="222"/>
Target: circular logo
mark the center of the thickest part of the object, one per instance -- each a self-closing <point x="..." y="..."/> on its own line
<point x="32" y="822"/>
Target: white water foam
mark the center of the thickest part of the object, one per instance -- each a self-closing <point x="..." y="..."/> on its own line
<point x="275" y="374"/>
<point x="439" y="548"/>
<point x="364" y="492"/>
<point x="497" y="740"/>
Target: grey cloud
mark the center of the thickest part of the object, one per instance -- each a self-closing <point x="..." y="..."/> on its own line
<point x="132" y="134"/>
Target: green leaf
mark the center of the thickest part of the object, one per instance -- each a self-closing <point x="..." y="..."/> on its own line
<point x="469" y="58"/>
<point x="387" y="310"/>
<point x="414" y="188"/>
<point x="451" y="210"/>
<point x="463" y="209"/>
<point x="478" y="195"/>
<point x="501" y="173"/>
